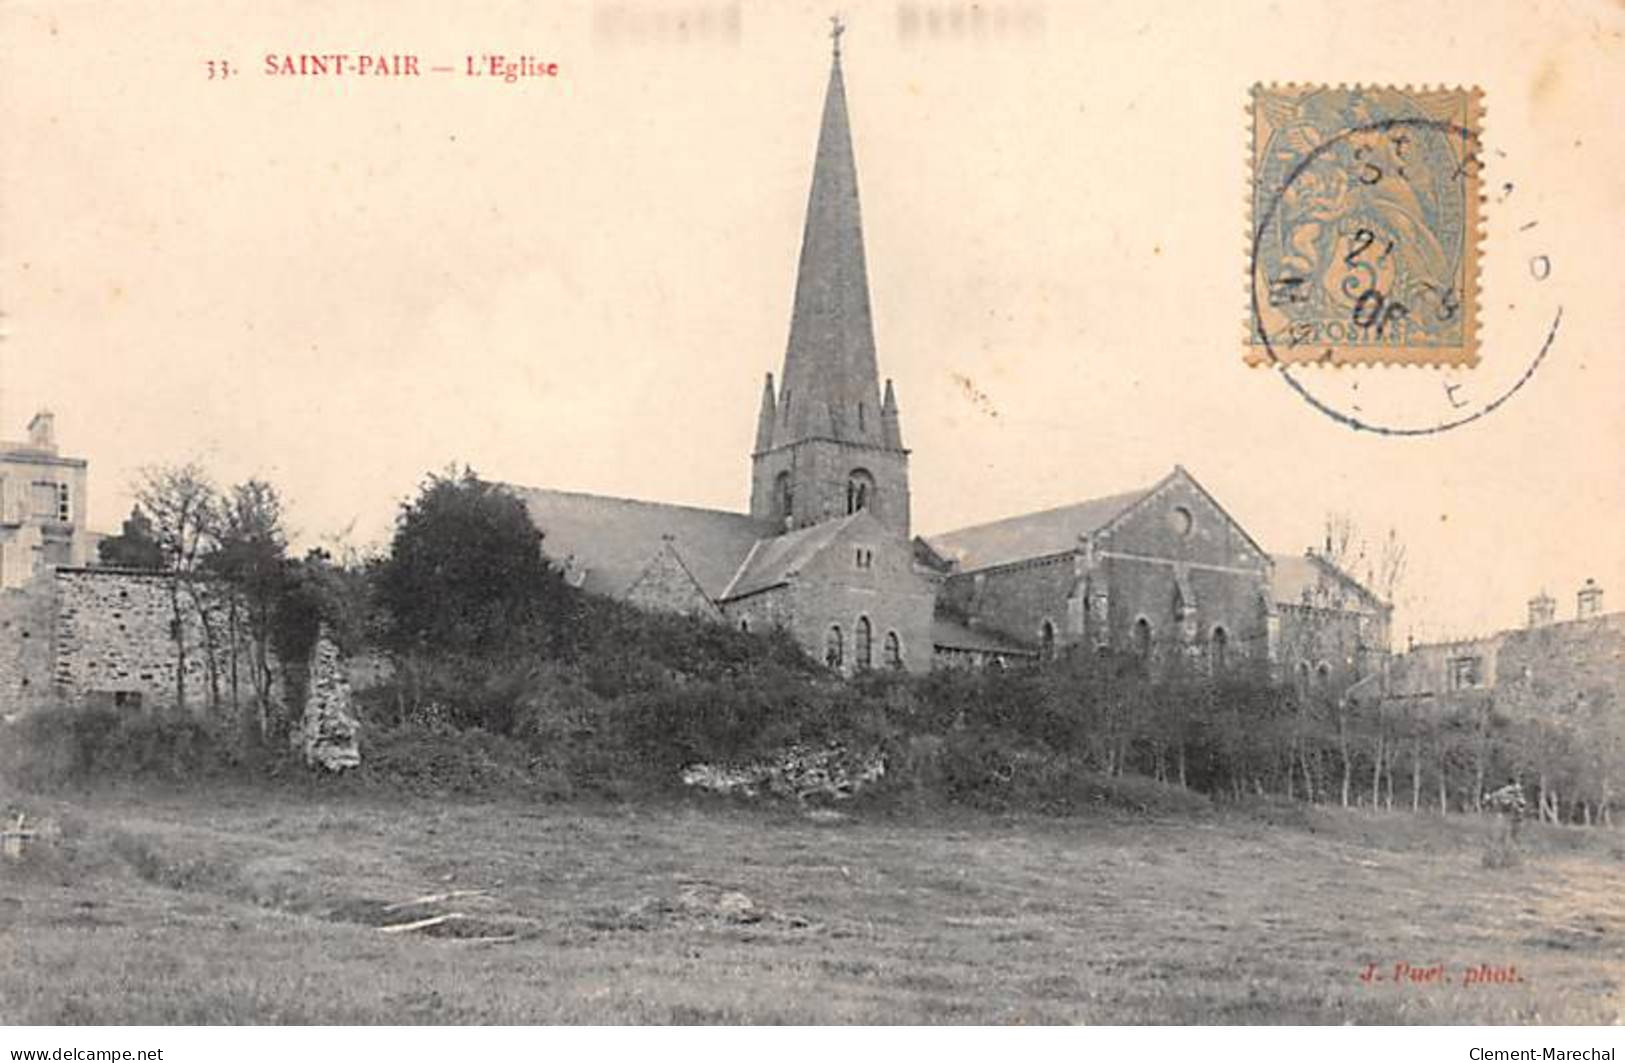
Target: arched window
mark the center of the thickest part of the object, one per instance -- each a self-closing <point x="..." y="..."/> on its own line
<point x="1323" y="675"/>
<point x="1142" y="637"/>
<point x="1046" y="639"/>
<point x="860" y="490"/>
<point x="744" y="625"/>
<point x="1303" y="675"/>
<point x="833" y="648"/>
<point x="785" y="492"/>
<point x="894" y="650"/>
<point x="1221" y="648"/>
<point x="863" y="643"/>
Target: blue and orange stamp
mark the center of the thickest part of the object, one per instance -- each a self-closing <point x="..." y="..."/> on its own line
<point x="1365" y="226"/>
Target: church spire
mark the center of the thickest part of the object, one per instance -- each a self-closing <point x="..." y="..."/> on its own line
<point x="830" y="446"/>
<point x="830" y="383"/>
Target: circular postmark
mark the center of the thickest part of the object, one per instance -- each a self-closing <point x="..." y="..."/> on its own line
<point x="1347" y="261"/>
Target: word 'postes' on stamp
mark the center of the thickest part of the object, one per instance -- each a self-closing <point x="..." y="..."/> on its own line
<point x="1365" y="226"/>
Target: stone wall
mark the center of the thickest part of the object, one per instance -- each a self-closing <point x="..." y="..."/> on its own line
<point x="1560" y="666"/>
<point x="832" y="591"/>
<point x="1542" y="669"/>
<point x="118" y="641"/>
<point x="666" y="585"/>
<point x="1196" y="615"/>
<point x="108" y="637"/>
<point x="763" y="611"/>
<point x="27" y="628"/>
<point x="818" y="471"/>
<point x="1429" y="670"/>
<point x="1015" y="600"/>
<point x="328" y="734"/>
<point x="1174" y="561"/>
<point x="890" y="594"/>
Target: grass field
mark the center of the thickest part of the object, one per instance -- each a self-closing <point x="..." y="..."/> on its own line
<point x="247" y="906"/>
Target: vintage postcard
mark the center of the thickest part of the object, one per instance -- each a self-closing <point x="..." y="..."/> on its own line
<point x="588" y="512"/>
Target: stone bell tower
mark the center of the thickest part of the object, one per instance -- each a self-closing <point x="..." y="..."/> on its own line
<point x="829" y="442"/>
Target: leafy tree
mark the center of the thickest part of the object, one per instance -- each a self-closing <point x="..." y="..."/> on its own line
<point x="465" y="572"/>
<point x="251" y="556"/>
<point x="135" y="546"/>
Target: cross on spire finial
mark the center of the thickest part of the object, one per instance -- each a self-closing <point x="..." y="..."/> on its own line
<point x="836" y="28"/>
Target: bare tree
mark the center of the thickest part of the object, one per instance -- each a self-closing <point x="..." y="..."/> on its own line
<point x="183" y="506"/>
<point x="1390" y="562"/>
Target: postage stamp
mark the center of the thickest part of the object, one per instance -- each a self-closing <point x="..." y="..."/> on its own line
<point x="1364" y="234"/>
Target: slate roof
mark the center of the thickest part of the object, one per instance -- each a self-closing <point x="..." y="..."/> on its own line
<point x="613" y="539"/>
<point x="1297" y="577"/>
<point x="772" y="561"/>
<point x="1041" y="534"/>
<point x="951" y="634"/>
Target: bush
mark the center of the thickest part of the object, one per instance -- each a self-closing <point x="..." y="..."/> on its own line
<point x="999" y="772"/>
<point x="438" y="760"/>
<point x="66" y="746"/>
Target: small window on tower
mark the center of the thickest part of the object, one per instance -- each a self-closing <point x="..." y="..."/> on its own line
<point x="860" y="417"/>
<point x="786" y="495"/>
<point x="860" y="487"/>
<point x="64" y="511"/>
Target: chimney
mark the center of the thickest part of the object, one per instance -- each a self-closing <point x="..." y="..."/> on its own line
<point x="42" y="431"/>
<point x="1590" y="600"/>
<point x="1542" y="609"/>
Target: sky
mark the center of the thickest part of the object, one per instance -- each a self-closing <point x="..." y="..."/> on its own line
<point x="342" y="284"/>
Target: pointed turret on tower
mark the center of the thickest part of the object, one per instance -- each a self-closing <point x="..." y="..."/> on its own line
<point x="767" y="418"/>
<point x="891" y="428"/>
<point x="835" y="443"/>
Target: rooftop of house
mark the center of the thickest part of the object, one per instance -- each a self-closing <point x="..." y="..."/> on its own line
<point x="1309" y="579"/>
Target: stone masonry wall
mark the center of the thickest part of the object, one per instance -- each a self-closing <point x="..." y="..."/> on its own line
<point x="764" y="611"/>
<point x="890" y="594"/>
<point x="27" y="628"/>
<point x="1145" y="588"/>
<point x="1015" y="600"/>
<point x="329" y="727"/>
<point x="666" y="585"/>
<point x="116" y="640"/>
<point x="1564" y="664"/>
<point x="110" y="639"/>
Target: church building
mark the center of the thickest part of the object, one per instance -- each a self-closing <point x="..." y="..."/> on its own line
<point x="827" y="550"/>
